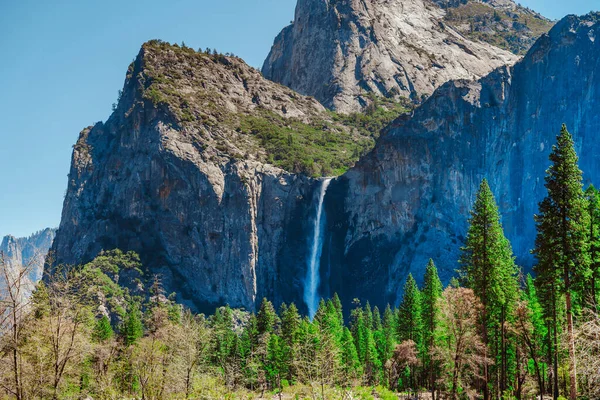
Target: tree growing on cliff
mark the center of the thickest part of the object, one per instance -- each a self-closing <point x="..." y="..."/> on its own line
<point x="561" y="243"/>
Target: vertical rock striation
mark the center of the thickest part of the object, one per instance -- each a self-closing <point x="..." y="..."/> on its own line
<point x="409" y="199"/>
<point x="28" y="252"/>
<point x="166" y="176"/>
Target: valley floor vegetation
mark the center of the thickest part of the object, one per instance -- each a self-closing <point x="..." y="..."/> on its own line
<point x="105" y="330"/>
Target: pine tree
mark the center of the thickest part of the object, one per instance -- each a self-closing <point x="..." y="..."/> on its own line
<point x="390" y="327"/>
<point x="338" y="306"/>
<point x="133" y="328"/>
<point x="349" y="360"/>
<point x="409" y="313"/>
<point x="430" y="295"/>
<point x="290" y="326"/>
<point x="102" y="330"/>
<point x="410" y="324"/>
<point x="275" y="366"/>
<point x="561" y="242"/>
<point x="487" y="267"/>
<point x="267" y="317"/>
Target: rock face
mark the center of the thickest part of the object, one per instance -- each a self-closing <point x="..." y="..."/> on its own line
<point x="340" y="51"/>
<point x="408" y="200"/>
<point x="29" y="252"/>
<point x="165" y="176"/>
<point x="174" y="176"/>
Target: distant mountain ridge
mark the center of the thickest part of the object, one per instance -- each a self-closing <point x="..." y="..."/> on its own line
<point x="28" y="251"/>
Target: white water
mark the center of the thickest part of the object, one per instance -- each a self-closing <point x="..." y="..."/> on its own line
<point x="311" y="283"/>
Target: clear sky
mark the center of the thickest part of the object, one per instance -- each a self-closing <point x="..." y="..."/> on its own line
<point x="63" y="61"/>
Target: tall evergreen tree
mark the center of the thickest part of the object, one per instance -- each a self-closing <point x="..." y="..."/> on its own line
<point x="561" y="242"/>
<point x="290" y="327"/>
<point x="349" y="358"/>
<point x="430" y="295"/>
<point x="410" y="324"/>
<point x="267" y="317"/>
<point x="409" y="313"/>
<point x="338" y="306"/>
<point x="388" y="338"/>
<point x="487" y="267"/>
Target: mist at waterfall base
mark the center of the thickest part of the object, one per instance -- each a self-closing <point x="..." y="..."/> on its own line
<point x="311" y="282"/>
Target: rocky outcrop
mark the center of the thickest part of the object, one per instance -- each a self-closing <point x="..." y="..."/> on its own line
<point x="342" y="51"/>
<point x="29" y="252"/>
<point x="409" y="199"/>
<point x="502" y="23"/>
<point x="171" y="176"/>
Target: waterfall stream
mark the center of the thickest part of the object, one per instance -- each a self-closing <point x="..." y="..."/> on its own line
<point x="311" y="283"/>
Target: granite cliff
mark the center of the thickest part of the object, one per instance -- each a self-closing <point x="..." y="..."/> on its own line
<point x="27" y="252"/>
<point x="190" y="173"/>
<point x="408" y="200"/>
<point x="341" y="51"/>
<point x="187" y="172"/>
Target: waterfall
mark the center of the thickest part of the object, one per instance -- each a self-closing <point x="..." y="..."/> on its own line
<point x="311" y="283"/>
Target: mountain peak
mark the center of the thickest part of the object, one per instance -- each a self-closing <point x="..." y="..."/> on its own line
<point x="339" y="51"/>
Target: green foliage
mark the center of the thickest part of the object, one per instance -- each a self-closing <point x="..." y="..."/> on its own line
<point x="133" y="329"/>
<point x="267" y="317"/>
<point x="316" y="149"/>
<point x="102" y="330"/>
<point x="562" y="220"/>
<point x="181" y="82"/>
<point x="592" y="197"/>
<point x="562" y="243"/>
<point x="430" y="297"/>
<point x="410" y="323"/>
<point x="487" y="267"/>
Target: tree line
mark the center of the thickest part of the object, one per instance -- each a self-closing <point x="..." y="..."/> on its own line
<point x="105" y="331"/>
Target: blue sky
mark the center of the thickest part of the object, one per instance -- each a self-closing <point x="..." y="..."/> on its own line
<point x="63" y="63"/>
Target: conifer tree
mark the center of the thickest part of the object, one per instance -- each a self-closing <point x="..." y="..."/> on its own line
<point x="409" y="313"/>
<point x="390" y="327"/>
<point x="430" y="295"/>
<point x="349" y="360"/>
<point x="410" y="324"/>
<point x="487" y="267"/>
<point x="275" y="365"/>
<point x="133" y="328"/>
<point x="561" y="242"/>
<point x="102" y="330"/>
<point x="290" y="326"/>
<point x="267" y="317"/>
<point x="338" y="306"/>
<point x="376" y="319"/>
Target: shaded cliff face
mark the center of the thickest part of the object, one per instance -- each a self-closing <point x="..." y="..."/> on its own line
<point x="409" y="199"/>
<point x="171" y="177"/>
<point x="28" y="252"/>
<point x="339" y="51"/>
